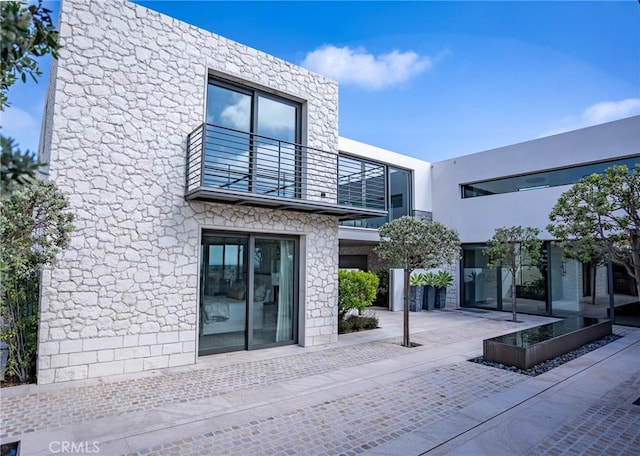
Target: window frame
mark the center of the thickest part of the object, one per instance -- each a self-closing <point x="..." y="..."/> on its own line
<point x="467" y="188"/>
<point x="256" y="94"/>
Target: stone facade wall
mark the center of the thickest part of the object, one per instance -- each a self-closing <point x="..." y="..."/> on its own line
<point x="128" y="88"/>
<point x="453" y="295"/>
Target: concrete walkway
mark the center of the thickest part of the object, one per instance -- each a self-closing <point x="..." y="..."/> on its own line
<point x="365" y="395"/>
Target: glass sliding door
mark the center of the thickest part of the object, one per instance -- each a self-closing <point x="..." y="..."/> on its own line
<point x="274" y="289"/>
<point x="248" y="292"/>
<point x="223" y="300"/>
<point x="479" y="281"/>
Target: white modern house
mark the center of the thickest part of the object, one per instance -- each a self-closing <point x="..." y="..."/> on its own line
<point x="519" y="185"/>
<point x="514" y="185"/>
<point x="215" y="201"/>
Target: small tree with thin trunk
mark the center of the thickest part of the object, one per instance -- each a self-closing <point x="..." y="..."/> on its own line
<point x="601" y="214"/>
<point x="412" y="243"/>
<point x="35" y="226"/>
<point x="508" y="248"/>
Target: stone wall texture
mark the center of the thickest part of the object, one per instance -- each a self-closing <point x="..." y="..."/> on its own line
<point x="128" y="88"/>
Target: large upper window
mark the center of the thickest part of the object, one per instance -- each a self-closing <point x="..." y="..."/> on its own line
<point x="361" y="183"/>
<point x="373" y="185"/>
<point x="542" y="179"/>
<point x="250" y="141"/>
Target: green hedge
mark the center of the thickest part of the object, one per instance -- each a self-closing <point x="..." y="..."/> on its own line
<point x="357" y="323"/>
<point x="356" y="290"/>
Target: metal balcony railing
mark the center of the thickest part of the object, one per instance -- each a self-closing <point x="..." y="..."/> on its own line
<point x="224" y="164"/>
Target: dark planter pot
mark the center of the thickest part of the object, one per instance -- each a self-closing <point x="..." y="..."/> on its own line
<point x="429" y="298"/>
<point x="441" y="298"/>
<point x="416" y="297"/>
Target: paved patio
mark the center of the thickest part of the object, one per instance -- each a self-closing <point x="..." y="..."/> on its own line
<point x="364" y="395"/>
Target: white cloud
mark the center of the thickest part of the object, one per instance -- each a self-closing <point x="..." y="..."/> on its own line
<point x="17" y="119"/>
<point x="237" y="115"/>
<point x="611" y="110"/>
<point x="602" y="112"/>
<point x="357" y="67"/>
<point x="22" y="127"/>
<point x="273" y="117"/>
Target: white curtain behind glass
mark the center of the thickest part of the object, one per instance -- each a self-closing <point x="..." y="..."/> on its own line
<point x="285" y="296"/>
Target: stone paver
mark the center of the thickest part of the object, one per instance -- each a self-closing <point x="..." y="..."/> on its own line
<point x="365" y="395"/>
<point x="610" y="426"/>
<point x="49" y="410"/>
<point x="354" y="423"/>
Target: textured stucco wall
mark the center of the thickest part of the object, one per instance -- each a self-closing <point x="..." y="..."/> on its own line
<point x="129" y="86"/>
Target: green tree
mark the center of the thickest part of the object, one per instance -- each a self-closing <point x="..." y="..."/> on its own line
<point x="600" y="217"/>
<point x="34" y="227"/>
<point x="412" y="243"/>
<point x="356" y="290"/>
<point x="26" y="33"/>
<point x="16" y="167"/>
<point x="508" y="248"/>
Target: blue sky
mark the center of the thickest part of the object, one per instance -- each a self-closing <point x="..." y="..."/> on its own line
<point x="433" y="80"/>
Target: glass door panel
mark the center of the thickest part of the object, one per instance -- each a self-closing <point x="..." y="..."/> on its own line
<point x="399" y="193"/>
<point x="227" y="150"/>
<point x="275" y="161"/>
<point x="273" y="291"/>
<point x="531" y="286"/>
<point x="479" y="281"/>
<point x="567" y="285"/>
<point x="223" y="305"/>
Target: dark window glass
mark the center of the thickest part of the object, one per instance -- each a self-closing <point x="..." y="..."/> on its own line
<point x="361" y="183"/>
<point x="236" y="158"/>
<point x="376" y="186"/>
<point x="543" y="179"/>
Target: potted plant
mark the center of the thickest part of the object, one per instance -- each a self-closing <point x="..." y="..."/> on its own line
<point x="430" y="291"/>
<point x="442" y="280"/>
<point x="416" y="291"/>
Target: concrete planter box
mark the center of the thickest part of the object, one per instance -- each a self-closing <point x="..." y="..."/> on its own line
<point x="526" y="348"/>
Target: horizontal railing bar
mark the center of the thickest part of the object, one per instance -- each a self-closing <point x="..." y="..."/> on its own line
<point x="228" y="159"/>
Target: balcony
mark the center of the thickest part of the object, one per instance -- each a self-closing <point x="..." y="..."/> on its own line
<point x="235" y="167"/>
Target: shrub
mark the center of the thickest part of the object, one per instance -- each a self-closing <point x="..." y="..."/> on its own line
<point x="34" y="227"/>
<point x="357" y="323"/>
<point x="356" y="291"/>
